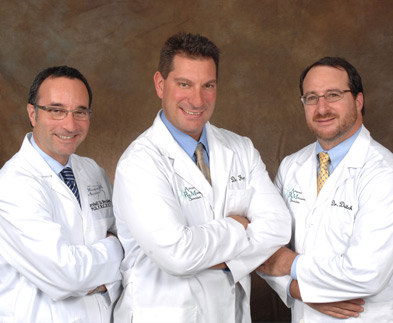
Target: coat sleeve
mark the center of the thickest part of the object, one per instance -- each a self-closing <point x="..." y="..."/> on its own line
<point x="366" y="267"/>
<point x="270" y="223"/>
<point x="279" y="284"/>
<point x="146" y="203"/>
<point x="33" y="243"/>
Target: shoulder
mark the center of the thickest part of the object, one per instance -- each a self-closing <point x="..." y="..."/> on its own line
<point x="230" y="138"/>
<point x="298" y="157"/>
<point x="87" y="166"/>
<point x="379" y="152"/>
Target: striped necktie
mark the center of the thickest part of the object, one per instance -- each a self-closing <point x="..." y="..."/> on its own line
<point x="201" y="163"/>
<point x="323" y="172"/>
<point x="69" y="179"/>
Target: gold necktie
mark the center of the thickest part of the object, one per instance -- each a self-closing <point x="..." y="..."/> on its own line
<point x="201" y="163"/>
<point x="323" y="173"/>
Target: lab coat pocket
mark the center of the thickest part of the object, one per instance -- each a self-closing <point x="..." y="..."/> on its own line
<point x="165" y="315"/>
<point x="237" y="202"/>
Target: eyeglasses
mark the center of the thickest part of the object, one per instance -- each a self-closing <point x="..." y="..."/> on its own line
<point x="330" y="96"/>
<point x="57" y="113"/>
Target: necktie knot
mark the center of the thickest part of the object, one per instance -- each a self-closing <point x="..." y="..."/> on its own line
<point x="69" y="179"/>
<point x="201" y="163"/>
<point x="323" y="172"/>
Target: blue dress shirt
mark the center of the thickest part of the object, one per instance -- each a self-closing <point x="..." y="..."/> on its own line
<point x="53" y="164"/>
<point x="187" y="142"/>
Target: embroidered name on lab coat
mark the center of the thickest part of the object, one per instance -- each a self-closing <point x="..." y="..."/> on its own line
<point x="238" y="178"/>
<point x="341" y="204"/>
<point x="102" y="204"/>
<point x="294" y="196"/>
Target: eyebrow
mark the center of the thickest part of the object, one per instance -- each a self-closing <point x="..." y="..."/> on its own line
<point x="334" y="89"/>
<point x="61" y="105"/>
<point x="182" y="79"/>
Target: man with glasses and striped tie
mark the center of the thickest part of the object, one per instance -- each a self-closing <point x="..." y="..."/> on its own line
<point x="339" y="191"/>
<point x="60" y="258"/>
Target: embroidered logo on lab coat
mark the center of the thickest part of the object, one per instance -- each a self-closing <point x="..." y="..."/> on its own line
<point x="294" y="196"/>
<point x="96" y="190"/>
<point x="189" y="194"/>
<point x="99" y="194"/>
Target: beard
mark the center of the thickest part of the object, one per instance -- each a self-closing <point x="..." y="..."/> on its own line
<point x="337" y="132"/>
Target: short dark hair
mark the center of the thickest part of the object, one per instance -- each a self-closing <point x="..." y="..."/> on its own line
<point x="355" y="81"/>
<point x="189" y="45"/>
<point x="54" y="72"/>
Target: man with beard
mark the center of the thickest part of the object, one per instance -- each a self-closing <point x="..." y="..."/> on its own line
<point x="339" y="193"/>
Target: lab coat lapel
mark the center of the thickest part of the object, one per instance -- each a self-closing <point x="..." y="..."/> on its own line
<point x="306" y="178"/>
<point x="61" y="188"/>
<point x="41" y="168"/>
<point x="183" y="165"/>
<point x="221" y="159"/>
<point x="355" y="158"/>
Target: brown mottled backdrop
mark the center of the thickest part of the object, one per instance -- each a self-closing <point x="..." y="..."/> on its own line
<point x="265" y="45"/>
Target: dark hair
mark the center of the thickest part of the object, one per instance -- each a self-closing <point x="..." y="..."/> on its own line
<point x="54" y="72"/>
<point x="355" y="81"/>
<point x="189" y="45"/>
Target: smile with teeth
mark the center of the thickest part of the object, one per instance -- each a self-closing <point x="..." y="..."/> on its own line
<point x="65" y="137"/>
<point x="192" y="113"/>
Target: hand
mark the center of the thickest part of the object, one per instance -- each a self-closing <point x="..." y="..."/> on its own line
<point x="99" y="289"/>
<point x="221" y="266"/>
<point x="241" y="219"/>
<point x="279" y="264"/>
<point x="295" y="290"/>
<point x="340" y="310"/>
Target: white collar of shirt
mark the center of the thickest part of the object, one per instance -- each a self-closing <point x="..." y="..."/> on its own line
<point x="53" y="164"/>
<point x="187" y="142"/>
<point x="337" y="153"/>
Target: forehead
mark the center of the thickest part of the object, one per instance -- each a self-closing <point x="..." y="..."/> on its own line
<point x="199" y="66"/>
<point x="59" y="89"/>
<point x="325" y="78"/>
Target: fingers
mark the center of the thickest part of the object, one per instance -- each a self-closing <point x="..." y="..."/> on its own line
<point x="357" y="301"/>
<point x="344" y="309"/>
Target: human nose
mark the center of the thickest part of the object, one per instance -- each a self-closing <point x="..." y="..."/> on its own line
<point x="196" y="99"/>
<point x="69" y="122"/>
<point x="322" y="104"/>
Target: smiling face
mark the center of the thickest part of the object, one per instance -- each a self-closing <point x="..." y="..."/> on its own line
<point x="332" y="122"/>
<point x="59" y="138"/>
<point x="188" y="94"/>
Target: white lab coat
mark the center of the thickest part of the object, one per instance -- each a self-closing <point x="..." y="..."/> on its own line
<point x="345" y="234"/>
<point x="52" y="251"/>
<point x="173" y="227"/>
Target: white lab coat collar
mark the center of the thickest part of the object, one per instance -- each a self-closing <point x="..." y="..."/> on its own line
<point x="40" y="167"/>
<point x="355" y="158"/>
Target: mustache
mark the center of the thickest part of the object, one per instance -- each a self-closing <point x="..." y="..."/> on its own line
<point x="328" y="115"/>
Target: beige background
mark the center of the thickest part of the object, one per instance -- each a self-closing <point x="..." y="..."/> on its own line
<point x="265" y="45"/>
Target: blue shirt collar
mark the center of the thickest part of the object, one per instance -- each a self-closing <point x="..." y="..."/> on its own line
<point x="53" y="164"/>
<point x="337" y="153"/>
<point x="185" y="141"/>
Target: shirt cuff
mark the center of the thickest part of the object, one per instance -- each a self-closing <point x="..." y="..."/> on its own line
<point x="293" y="268"/>
<point x="288" y="289"/>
